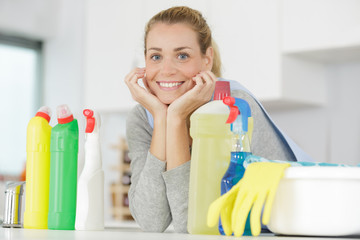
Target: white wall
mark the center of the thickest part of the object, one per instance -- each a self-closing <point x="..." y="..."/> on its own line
<point x="330" y="133"/>
<point x="35" y="19"/>
<point x="320" y="24"/>
<point x="344" y="115"/>
<point x="63" y="65"/>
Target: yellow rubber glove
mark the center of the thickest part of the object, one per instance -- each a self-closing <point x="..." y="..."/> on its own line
<point x="223" y="207"/>
<point x="258" y="187"/>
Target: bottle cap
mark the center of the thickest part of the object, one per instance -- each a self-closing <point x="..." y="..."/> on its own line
<point x="90" y="120"/>
<point x="222" y="90"/>
<point x="44" y="112"/>
<point x="64" y="114"/>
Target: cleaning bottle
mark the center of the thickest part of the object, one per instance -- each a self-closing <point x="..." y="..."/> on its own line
<point x="37" y="170"/>
<point x="63" y="171"/>
<point x="241" y="126"/>
<point x="90" y="190"/>
<point x="210" y="158"/>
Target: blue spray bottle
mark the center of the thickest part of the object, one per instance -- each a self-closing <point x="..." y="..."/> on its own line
<point x="241" y="126"/>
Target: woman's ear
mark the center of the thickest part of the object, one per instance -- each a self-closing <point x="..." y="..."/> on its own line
<point x="208" y="59"/>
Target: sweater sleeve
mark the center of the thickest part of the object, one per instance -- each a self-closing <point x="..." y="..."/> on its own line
<point x="177" y="185"/>
<point x="147" y="195"/>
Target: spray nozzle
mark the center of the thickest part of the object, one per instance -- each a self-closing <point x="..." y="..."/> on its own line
<point x="90" y="120"/>
<point x="234" y="111"/>
<point x="242" y="126"/>
<point x="237" y="107"/>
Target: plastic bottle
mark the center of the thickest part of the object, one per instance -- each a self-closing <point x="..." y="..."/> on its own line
<point x="37" y="170"/>
<point x="90" y="191"/>
<point x="240" y="119"/>
<point x="210" y="158"/>
<point x="63" y="171"/>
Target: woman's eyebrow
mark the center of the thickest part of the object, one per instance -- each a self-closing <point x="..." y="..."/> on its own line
<point x="181" y="48"/>
<point x="155" y="49"/>
<point x="175" y="49"/>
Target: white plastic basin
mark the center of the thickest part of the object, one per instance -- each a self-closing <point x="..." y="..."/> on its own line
<point x="317" y="201"/>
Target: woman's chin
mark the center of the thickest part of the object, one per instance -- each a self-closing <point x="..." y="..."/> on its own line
<point x="167" y="100"/>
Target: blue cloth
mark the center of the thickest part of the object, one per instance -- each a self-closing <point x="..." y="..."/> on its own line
<point x="252" y="159"/>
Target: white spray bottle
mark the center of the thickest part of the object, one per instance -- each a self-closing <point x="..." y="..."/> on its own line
<point x="90" y="190"/>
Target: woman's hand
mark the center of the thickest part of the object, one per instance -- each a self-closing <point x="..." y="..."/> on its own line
<point x="200" y="94"/>
<point x="141" y="95"/>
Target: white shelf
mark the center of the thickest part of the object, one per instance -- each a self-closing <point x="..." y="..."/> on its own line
<point x="329" y="55"/>
<point x="322" y="30"/>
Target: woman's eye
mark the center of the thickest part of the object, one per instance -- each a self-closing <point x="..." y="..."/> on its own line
<point x="183" y="56"/>
<point x="155" y="57"/>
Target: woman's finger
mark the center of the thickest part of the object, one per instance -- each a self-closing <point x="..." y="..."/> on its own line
<point x="131" y="80"/>
<point x="212" y="75"/>
<point x="209" y="81"/>
<point x="136" y="71"/>
<point x="140" y="70"/>
<point x="198" y="81"/>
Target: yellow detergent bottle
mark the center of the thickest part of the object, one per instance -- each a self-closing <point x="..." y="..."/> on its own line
<point x="210" y="158"/>
<point x="37" y="170"/>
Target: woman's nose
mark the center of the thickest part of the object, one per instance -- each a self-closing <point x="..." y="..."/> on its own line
<point x="168" y="67"/>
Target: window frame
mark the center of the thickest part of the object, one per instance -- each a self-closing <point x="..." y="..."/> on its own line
<point x="37" y="46"/>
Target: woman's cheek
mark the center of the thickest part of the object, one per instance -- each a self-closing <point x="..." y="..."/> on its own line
<point x="150" y="74"/>
<point x="192" y="70"/>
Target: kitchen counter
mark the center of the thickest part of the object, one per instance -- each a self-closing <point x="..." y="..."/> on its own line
<point x="126" y="233"/>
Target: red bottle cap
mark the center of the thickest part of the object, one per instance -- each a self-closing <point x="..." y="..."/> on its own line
<point x="222" y="90"/>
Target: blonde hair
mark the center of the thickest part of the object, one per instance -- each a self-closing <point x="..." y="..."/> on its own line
<point x="195" y="20"/>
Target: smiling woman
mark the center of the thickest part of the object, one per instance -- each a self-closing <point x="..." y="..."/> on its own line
<point x="182" y="66"/>
<point x="179" y="78"/>
<point x="19" y="97"/>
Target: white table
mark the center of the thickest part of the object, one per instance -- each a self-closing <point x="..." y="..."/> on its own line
<point x="127" y="233"/>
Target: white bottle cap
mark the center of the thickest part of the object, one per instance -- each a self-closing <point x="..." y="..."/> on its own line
<point x="44" y="112"/>
<point x="45" y="109"/>
<point x="64" y="114"/>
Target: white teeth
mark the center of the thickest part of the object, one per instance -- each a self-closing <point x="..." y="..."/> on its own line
<point x="169" y="85"/>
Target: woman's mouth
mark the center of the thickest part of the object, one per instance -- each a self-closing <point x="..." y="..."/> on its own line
<point x="167" y="86"/>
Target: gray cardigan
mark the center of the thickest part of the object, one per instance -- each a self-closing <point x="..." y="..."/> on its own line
<point x="158" y="197"/>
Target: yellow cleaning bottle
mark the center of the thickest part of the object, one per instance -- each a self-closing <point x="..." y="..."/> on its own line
<point x="210" y="158"/>
<point x="37" y="170"/>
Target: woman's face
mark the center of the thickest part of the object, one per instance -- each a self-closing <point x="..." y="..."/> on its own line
<point x="172" y="59"/>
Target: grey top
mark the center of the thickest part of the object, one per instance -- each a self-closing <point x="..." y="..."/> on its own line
<point x="158" y="197"/>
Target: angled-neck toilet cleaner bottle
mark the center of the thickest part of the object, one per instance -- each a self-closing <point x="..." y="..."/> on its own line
<point x="241" y="126"/>
<point x="90" y="190"/>
<point x="37" y="170"/>
<point x="210" y="157"/>
<point x="63" y="171"/>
